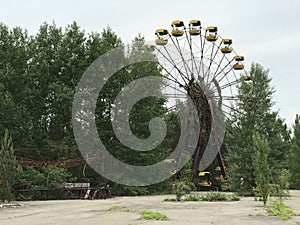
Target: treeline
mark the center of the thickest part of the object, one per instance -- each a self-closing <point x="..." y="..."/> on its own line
<point x="38" y="76"/>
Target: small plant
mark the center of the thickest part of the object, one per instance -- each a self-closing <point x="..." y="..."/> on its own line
<point x="193" y="198"/>
<point x="280" y="209"/>
<point x="215" y="196"/>
<point x="211" y="196"/>
<point x="235" y="197"/>
<point x="150" y="215"/>
<point x="113" y="208"/>
<point x="170" y="199"/>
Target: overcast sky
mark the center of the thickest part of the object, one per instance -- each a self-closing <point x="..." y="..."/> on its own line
<point x="264" y="31"/>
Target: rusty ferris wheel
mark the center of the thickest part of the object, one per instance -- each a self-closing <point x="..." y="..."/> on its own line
<point x="204" y="66"/>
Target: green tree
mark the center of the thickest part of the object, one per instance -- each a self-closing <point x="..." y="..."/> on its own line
<point x="253" y="113"/>
<point x="9" y="169"/>
<point x="295" y="155"/>
<point x="262" y="172"/>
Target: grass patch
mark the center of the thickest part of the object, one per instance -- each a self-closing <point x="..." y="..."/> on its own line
<point x="150" y="215"/>
<point x="212" y="196"/>
<point x="279" y="209"/>
<point x="235" y="197"/>
<point x="113" y="208"/>
<point x="215" y="196"/>
<point x="193" y="198"/>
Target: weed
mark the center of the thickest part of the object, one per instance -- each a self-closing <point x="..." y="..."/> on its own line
<point x="214" y="196"/>
<point x="279" y="209"/>
<point x="210" y="196"/>
<point x="150" y="215"/>
<point x="192" y="198"/>
<point x="113" y="208"/>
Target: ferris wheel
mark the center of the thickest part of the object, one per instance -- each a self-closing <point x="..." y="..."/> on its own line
<point x="199" y="63"/>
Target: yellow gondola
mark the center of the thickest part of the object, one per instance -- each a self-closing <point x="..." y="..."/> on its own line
<point x="238" y="58"/>
<point x="212" y="35"/>
<point x="178" y="27"/>
<point x="238" y="65"/>
<point x="161" y="41"/>
<point x="194" y="27"/>
<point x="246" y="78"/>
<point x="149" y="47"/>
<point x="161" y="32"/>
<point x="161" y="36"/>
<point x="226" y="49"/>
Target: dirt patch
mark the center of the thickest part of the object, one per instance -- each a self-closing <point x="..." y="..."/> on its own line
<point x="98" y="212"/>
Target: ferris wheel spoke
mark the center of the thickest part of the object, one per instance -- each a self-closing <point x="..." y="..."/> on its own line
<point x="202" y="44"/>
<point x="212" y="58"/>
<point x="219" y="65"/>
<point x="193" y="60"/>
<point x="185" y="65"/>
<point x="230" y="84"/>
<point x="172" y="77"/>
<point x="170" y="60"/>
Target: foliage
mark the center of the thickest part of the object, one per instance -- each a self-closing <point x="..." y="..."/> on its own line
<point x="214" y="196"/>
<point x="55" y="176"/>
<point x="253" y="113"/>
<point x="38" y="77"/>
<point x="50" y="177"/>
<point x="295" y="155"/>
<point x="235" y="197"/>
<point x="279" y="209"/>
<point x="180" y="188"/>
<point x="150" y="215"/>
<point x="124" y="190"/>
<point x="210" y="196"/>
<point x="193" y="198"/>
<point x="283" y="184"/>
<point x="261" y="166"/>
<point x="9" y="168"/>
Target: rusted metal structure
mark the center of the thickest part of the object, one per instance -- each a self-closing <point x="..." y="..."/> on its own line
<point x="204" y="66"/>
